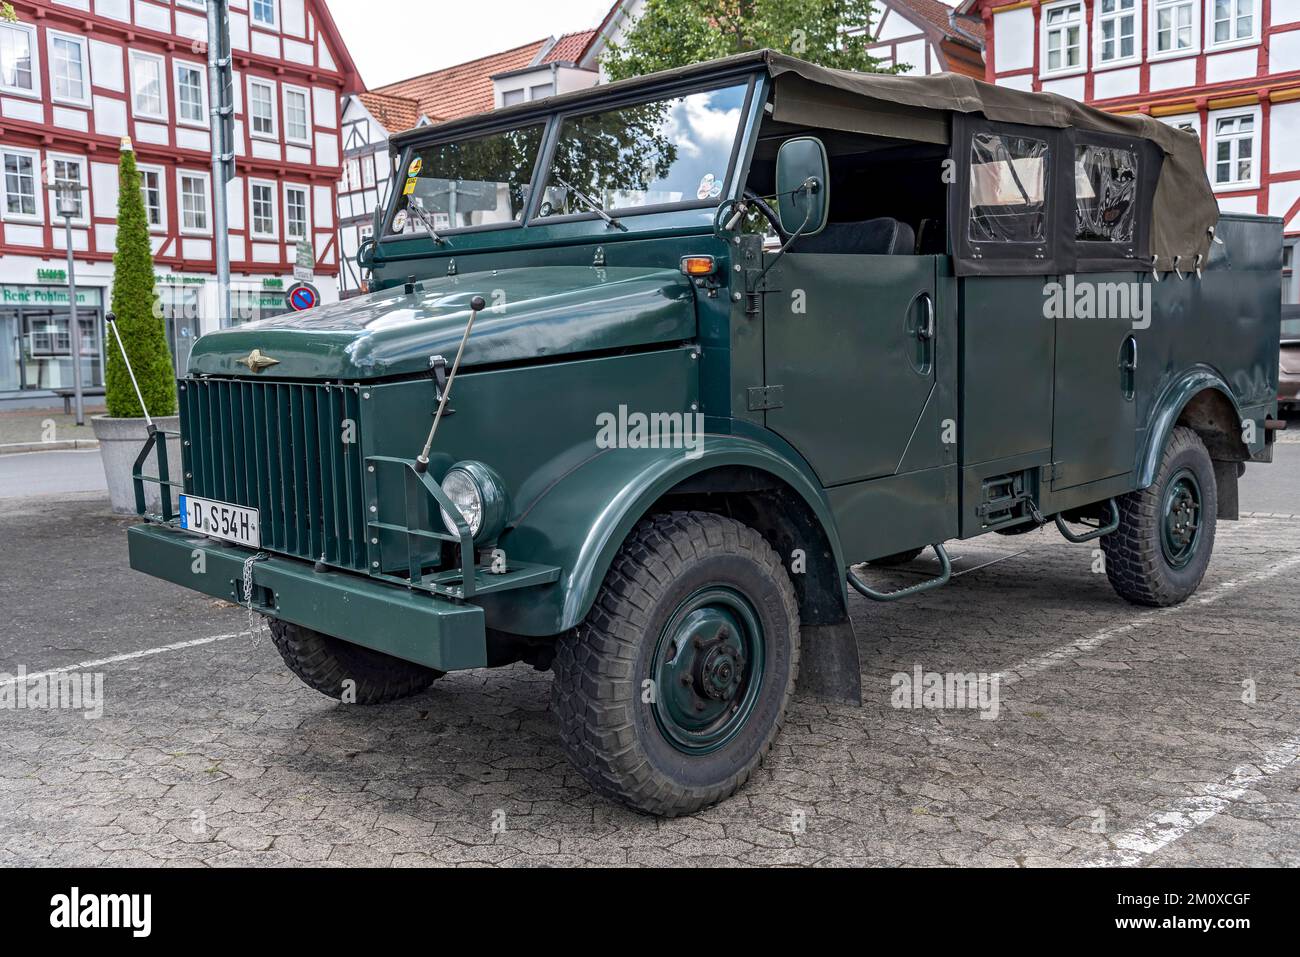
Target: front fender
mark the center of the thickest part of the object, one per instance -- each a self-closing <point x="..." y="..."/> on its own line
<point x="582" y="520"/>
<point x="1168" y="408"/>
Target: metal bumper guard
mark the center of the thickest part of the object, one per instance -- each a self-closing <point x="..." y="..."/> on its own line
<point x="439" y="633"/>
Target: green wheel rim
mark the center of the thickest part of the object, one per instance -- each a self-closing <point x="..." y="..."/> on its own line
<point x="1180" y="527"/>
<point x="708" y="669"/>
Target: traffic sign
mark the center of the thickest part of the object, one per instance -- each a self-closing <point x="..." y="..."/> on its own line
<point x="302" y="295"/>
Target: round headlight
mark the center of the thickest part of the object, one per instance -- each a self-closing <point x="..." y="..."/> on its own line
<point x="477" y="494"/>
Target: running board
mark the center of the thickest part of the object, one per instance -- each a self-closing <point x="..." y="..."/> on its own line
<point x="945" y="574"/>
<point x="1094" y="531"/>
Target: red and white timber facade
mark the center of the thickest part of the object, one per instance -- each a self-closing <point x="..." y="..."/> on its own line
<point x="78" y="76"/>
<point x="1227" y="70"/>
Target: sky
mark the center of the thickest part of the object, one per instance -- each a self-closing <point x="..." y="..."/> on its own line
<point x="395" y="39"/>
<point x="391" y="40"/>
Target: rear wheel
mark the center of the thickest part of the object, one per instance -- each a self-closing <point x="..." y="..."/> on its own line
<point x="673" y="689"/>
<point x="326" y="663"/>
<point x="1160" y="551"/>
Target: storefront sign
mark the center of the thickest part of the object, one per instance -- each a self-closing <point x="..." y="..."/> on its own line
<point x="273" y="283"/>
<point x="51" y="275"/>
<point x="48" y="296"/>
<point x="177" y="280"/>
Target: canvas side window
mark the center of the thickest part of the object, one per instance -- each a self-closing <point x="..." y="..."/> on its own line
<point x="1008" y="189"/>
<point x="1106" y="194"/>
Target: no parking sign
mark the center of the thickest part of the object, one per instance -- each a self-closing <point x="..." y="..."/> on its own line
<point x="302" y="295"/>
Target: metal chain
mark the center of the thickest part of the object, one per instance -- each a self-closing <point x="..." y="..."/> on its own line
<point x="255" y="627"/>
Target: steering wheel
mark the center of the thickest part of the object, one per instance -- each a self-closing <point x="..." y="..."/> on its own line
<point x="766" y="210"/>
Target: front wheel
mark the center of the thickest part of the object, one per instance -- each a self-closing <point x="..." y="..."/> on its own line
<point x="1160" y="551"/>
<point x="675" y="686"/>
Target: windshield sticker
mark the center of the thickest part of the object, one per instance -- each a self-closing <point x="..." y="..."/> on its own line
<point x="417" y="164"/>
<point x="706" y="187"/>
<point x="399" y="220"/>
<point x="409" y="189"/>
<point x="717" y="190"/>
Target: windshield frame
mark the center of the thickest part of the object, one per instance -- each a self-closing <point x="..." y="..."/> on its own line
<point x="393" y="197"/>
<point x="552" y="121"/>
<point x="551" y="145"/>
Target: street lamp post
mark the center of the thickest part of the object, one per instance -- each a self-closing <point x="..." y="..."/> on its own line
<point x="68" y="204"/>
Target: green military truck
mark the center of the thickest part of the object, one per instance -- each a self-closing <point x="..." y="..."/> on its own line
<point x="649" y="372"/>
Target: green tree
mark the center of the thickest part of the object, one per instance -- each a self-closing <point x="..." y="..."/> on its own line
<point x="138" y="320"/>
<point x="674" y="33"/>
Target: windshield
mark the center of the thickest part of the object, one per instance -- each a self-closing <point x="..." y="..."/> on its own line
<point x="674" y="150"/>
<point x="475" y="182"/>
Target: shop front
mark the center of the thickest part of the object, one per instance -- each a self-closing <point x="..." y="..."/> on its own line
<point x="36" y="339"/>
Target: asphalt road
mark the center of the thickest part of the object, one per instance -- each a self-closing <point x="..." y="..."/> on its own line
<point x="51" y="473"/>
<point x="1122" y="736"/>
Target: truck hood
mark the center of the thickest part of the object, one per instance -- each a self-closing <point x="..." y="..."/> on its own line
<point x="532" y="312"/>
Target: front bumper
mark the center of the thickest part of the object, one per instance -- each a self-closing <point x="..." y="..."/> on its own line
<point x="414" y="625"/>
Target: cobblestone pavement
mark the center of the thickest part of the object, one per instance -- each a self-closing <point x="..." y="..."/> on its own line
<point x="1121" y="738"/>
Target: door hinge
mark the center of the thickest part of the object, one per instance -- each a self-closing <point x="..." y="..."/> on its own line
<point x="1047" y="474"/>
<point x="763" y="397"/>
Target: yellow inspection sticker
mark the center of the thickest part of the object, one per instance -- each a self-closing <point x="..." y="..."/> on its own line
<point x="417" y="164"/>
<point x="410" y="186"/>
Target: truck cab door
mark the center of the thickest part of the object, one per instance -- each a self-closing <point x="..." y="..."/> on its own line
<point x="850" y="354"/>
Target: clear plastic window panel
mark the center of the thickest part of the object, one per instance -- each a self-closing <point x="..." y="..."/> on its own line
<point x="1105" y="191"/>
<point x="1008" y="177"/>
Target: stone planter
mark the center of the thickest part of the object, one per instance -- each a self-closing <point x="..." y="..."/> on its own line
<point x="120" y="441"/>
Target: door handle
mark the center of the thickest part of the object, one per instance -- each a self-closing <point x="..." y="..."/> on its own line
<point x="925" y="331"/>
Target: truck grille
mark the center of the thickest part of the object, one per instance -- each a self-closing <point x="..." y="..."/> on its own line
<point x="280" y="448"/>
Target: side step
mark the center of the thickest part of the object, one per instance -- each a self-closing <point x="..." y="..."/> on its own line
<point x="1094" y="531"/>
<point x="945" y="574"/>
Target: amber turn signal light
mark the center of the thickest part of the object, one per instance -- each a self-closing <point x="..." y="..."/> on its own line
<point x="697" y="265"/>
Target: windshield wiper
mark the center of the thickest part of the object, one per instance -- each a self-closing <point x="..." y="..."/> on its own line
<point x="591" y="204"/>
<point x="416" y="205"/>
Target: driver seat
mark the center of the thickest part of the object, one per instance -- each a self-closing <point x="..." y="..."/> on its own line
<point x="883" y="236"/>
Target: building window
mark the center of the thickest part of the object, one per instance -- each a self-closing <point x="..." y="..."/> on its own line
<point x="73" y="172"/>
<point x="190" y="100"/>
<point x="1063" y="37"/>
<point x="297" y="126"/>
<point x="351" y="175"/>
<point x="151" y="186"/>
<point x="17" y="68"/>
<point x="368" y="172"/>
<point x="194" y="202"/>
<point x="68" y="68"/>
<point x="295" y="212"/>
<point x="1175" y="25"/>
<point x="511" y="97"/>
<point x="1117" y="31"/>
<point x="264" y="12"/>
<point x="1234" y="150"/>
<point x="20" y="185"/>
<point x="263" y="209"/>
<point x="261" y="107"/>
<point x="541" y="90"/>
<point x="147" y="85"/>
<point x="1231" y="21"/>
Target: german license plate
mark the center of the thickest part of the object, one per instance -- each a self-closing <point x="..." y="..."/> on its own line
<point x="234" y="523"/>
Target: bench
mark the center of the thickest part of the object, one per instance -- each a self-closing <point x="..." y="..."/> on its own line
<point x="67" y="395"/>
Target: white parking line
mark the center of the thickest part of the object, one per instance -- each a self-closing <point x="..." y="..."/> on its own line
<point x="1040" y="663"/>
<point x="1163" y="828"/>
<point x="129" y="656"/>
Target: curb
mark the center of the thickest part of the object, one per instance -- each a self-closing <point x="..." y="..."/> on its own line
<point x="13" y="448"/>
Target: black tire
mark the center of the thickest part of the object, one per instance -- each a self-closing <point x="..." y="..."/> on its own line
<point x="324" y="663"/>
<point x="898" y="558"/>
<point x="617" y="741"/>
<point x="1138" y="558"/>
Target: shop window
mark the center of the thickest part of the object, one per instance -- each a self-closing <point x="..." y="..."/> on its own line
<point x="1106" y="194"/>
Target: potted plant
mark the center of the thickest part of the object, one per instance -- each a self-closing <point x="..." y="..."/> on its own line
<point x="122" y="431"/>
